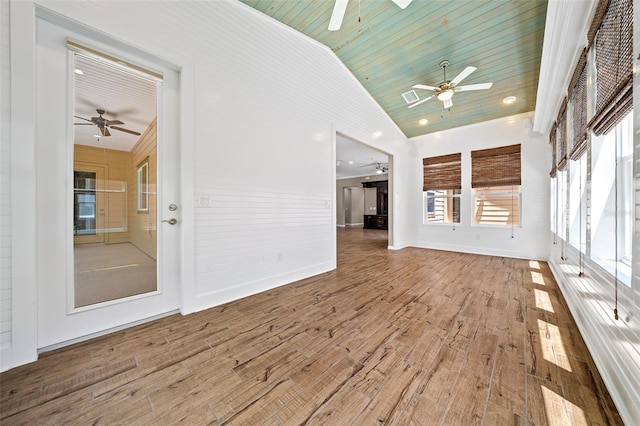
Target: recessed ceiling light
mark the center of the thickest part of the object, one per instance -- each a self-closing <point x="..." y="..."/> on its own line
<point x="78" y="71"/>
<point x="423" y="121"/>
<point x="509" y="100"/>
<point x="350" y="162"/>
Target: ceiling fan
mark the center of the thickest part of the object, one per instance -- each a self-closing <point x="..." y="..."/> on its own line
<point x="445" y="90"/>
<point x="103" y="124"/>
<point x="340" y="7"/>
<point x="380" y="167"/>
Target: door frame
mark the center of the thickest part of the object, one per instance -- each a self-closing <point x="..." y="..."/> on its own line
<point x="22" y="347"/>
<point x="59" y="320"/>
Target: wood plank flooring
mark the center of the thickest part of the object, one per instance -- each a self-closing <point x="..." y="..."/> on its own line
<point x="407" y="337"/>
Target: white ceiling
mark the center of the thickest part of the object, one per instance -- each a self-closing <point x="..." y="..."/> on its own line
<point x="354" y="159"/>
<point x="123" y="94"/>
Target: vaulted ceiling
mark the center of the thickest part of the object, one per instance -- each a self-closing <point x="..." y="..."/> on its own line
<point x="389" y="50"/>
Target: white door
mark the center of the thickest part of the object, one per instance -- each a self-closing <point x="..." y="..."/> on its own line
<point x="123" y="207"/>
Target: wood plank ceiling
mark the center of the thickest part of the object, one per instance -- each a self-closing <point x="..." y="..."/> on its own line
<point x="389" y="50"/>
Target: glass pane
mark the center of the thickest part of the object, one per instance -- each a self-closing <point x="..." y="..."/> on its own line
<point x="115" y="236"/>
<point x="442" y="206"/>
<point x="499" y="205"/>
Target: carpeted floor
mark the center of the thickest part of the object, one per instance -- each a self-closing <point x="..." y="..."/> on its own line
<point x="111" y="271"/>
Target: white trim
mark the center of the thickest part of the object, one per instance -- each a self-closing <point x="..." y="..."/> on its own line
<point x="216" y="298"/>
<point x="23" y="187"/>
<point x="105" y="332"/>
<point x="561" y="51"/>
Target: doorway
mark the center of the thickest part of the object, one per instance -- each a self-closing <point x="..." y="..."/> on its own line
<point x="108" y="239"/>
<point x="354" y="205"/>
<point x="361" y="197"/>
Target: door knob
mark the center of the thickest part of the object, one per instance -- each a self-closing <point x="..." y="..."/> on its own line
<point x="171" y="221"/>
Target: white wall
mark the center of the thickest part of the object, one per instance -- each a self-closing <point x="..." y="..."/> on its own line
<point x="530" y="240"/>
<point x="257" y="143"/>
<point x="5" y="185"/>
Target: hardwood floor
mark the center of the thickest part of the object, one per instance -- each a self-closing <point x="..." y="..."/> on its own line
<point x="403" y="337"/>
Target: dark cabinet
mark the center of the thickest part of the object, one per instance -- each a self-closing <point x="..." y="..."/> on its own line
<point x="379" y="220"/>
<point x="375" y="221"/>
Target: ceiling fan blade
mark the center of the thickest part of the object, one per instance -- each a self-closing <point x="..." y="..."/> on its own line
<point x="104" y="131"/>
<point x="402" y="4"/>
<point x="83" y="124"/>
<point x="82" y="118"/>
<point x="448" y="103"/>
<point x="125" y="130"/>
<point x="339" y="8"/>
<point x="111" y="122"/>
<point x="481" y="86"/>
<point x="464" y="74"/>
<point x="419" y="102"/>
<point x="424" y="87"/>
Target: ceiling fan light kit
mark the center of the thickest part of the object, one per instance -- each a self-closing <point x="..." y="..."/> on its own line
<point x="444" y="91"/>
<point x="445" y="95"/>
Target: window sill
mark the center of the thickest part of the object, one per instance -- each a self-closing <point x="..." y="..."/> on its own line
<point x="624" y="271"/>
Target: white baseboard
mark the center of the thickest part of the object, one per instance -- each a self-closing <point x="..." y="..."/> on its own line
<point x="211" y="299"/>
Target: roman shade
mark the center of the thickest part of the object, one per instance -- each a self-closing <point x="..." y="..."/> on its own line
<point x="561" y="136"/>
<point x="496" y="167"/>
<point x="578" y="97"/>
<point x="442" y="172"/>
<point x="614" y="64"/>
<point x="554" y="151"/>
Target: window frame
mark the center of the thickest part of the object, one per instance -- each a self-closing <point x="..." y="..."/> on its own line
<point x="143" y="186"/>
<point x="431" y="196"/>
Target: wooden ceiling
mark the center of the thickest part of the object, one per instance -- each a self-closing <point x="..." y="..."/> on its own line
<point x="389" y="50"/>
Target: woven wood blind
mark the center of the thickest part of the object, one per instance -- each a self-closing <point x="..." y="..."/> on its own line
<point x="561" y="136"/>
<point x="442" y="172"/>
<point x="578" y="96"/>
<point x="496" y="167"/>
<point x="554" y="152"/>
<point x="614" y="66"/>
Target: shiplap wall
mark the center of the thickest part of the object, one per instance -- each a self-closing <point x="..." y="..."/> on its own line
<point x="529" y="240"/>
<point x="142" y="225"/>
<point x="5" y="186"/>
<point x="260" y="106"/>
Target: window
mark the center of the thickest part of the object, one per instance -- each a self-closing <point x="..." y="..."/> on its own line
<point x="442" y="186"/>
<point x="553" y="205"/>
<point x="442" y="206"/>
<point x="495" y="179"/>
<point x="562" y="204"/>
<point x="612" y="198"/>
<point x="143" y="186"/>
<point x="497" y="205"/>
<point x="578" y="203"/>
<point x="84" y="203"/>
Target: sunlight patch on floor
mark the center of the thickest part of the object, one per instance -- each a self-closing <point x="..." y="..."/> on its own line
<point x="537" y="278"/>
<point x="556" y="408"/>
<point x="552" y="346"/>
<point x="534" y="264"/>
<point x="543" y="301"/>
